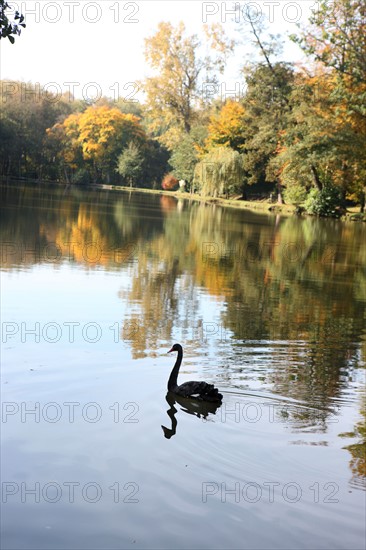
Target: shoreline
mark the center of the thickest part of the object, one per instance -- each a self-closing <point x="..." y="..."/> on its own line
<point x="263" y="206"/>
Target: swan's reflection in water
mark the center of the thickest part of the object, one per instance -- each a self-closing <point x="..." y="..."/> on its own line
<point x="201" y="409"/>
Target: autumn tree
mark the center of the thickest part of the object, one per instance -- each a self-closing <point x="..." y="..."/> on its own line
<point x="98" y="135"/>
<point x="336" y="39"/>
<point x="169" y="182"/>
<point x="319" y="147"/>
<point x="228" y="127"/>
<point x="173" y="95"/>
<point x="103" y="132"/>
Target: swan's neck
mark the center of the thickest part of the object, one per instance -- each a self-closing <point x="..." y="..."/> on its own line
<point x="172" y="382"/>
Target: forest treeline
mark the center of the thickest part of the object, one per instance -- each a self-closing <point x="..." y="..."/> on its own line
<point x="296" y="131"/>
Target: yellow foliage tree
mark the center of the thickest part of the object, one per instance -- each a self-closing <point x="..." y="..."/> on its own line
<point x="103" y="130"/>
<point x="227" y="128"/>
<point x="172" y="96"/>
<point x="96" y="137"/>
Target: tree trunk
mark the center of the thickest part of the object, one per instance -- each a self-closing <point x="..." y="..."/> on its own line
<point x="363" y="200"/>
<point x="66" y="175"/>
<point x="316" y="180"/>
<point x="280" y="199"/>
<point x="9" y="165"/>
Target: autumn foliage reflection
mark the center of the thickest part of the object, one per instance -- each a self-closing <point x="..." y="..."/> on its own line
<point x="293" y="288"/>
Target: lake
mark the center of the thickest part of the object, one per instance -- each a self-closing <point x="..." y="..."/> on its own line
<point x="96" y="287"/>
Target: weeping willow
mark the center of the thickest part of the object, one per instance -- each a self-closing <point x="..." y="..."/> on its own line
<point x="220" y="173"/>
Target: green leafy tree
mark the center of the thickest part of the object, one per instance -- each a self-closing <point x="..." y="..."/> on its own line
<point x="155" y="163"/>
<point x="186" y="154"/>
<point x="266" y="110"/>
<point x="295" y="193"/>
<point x="25" y="150"/>
<point x="266" y="102"/>
<point x="129" y="164"/>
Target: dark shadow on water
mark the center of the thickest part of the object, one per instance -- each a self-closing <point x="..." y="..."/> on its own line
<point x="201" y="409"/>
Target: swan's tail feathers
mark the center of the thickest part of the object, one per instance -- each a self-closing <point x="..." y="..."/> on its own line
<point x="212" y="394"/>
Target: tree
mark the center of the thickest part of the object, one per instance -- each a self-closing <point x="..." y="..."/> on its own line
<point x="269" y="85"/>
<point x="324" y="202"/>
<point x="266" y="111"/>
<point x="320" y="145"/>
<point x="336" y="37"/>
<point x="102" y="131"/>
<point x="94" y="138"/>
<point x="220" y="172"/>
<point x="155" y="163"/>
<point x="129" y="164"/>
<point x="25" y="114"/>
<point x="10" y="28"/>
<point x="186" y="154"/>
<point x="173" y="95"/>
<point x="228" y="127"/>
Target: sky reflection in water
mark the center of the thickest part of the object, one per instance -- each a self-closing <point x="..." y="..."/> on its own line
<point x="96" y="287"/>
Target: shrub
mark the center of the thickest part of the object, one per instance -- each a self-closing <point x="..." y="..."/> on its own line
<point x="169" y="182"/>
<point x="80" y="177"/>
<point x="295" y="194"/>
<point x="327" y="202"/>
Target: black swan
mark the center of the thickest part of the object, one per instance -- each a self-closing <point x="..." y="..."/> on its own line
<point x="197" y="390"/>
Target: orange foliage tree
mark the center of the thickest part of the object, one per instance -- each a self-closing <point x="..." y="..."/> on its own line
<point x="94" y="139"/>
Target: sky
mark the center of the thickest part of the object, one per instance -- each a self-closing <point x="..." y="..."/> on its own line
<point x="97" y="47"/>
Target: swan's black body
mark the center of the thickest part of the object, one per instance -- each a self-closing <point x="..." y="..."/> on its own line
<point x="196" y="390"/>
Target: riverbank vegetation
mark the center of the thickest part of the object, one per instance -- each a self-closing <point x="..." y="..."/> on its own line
<point x="296" y="133"/>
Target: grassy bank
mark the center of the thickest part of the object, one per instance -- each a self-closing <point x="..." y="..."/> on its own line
<point x="264" y="205"/>
<point x="256" y="205"/>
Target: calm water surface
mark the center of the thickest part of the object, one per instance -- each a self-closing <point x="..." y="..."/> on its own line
<point x="96" y="287"/>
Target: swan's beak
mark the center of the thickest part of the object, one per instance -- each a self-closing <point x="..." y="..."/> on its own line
<point x="170" y="350"/>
